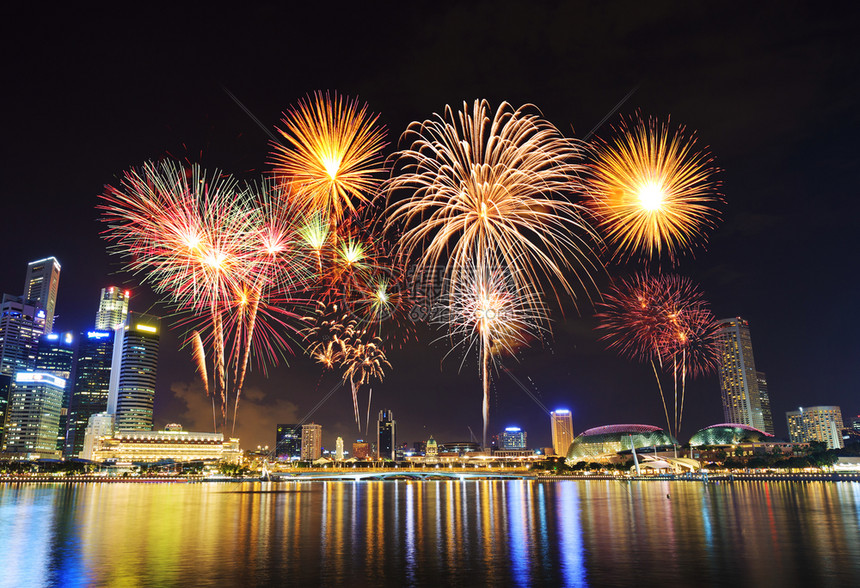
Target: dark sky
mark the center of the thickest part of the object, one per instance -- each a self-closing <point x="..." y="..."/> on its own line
<point x="771" y="89"/>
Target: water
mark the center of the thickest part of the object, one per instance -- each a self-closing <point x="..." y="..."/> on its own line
<point x="404" y="533"/>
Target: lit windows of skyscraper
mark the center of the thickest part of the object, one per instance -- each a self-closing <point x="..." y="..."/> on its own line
<point x="512" y="438"/>
<point x="764" y="400"/>
<point x="386" y="439"/>
<point x="56" y="355"/>
<point x="33" y="420"/>
<point x="133" y="371"/>
<point x="91" y="386"/>
<point x="311" y="442"/>
<point x="338" y="449"/>
<point x="288" y="442"/>
<point x="816" y="423"/>
<point x="738" y="381"/>
<point x="113" y="308"/>
<point x="40" y="287"/>
<point x="562" y="431"/>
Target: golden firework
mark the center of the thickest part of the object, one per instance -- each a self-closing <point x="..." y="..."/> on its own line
<point x="332" y="151"/>
<point x="653" y="193"/>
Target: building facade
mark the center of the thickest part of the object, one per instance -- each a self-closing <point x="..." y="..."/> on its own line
<point x="176" y="445"/>
<point x="288" y="442"/>
<point x="133" y="370"/>
<point x="56" y="355"/>
<point x="33" y="419"/>
<point x="512" y="438"/>
<point x="338" y="449"/>
<point x="41" y="285"/>
<point x="562" y="430"/>
<point x="361" y="449"/>
<point x="91" y="386"/>
<point x="764" y="400"/>
<point x="738" y="380"/>
<point x="98" y="425"/>
<point x="386" y="437"/>
<point x="311" y="442"/>
<point x="816" y="423"/>
<point x="113" y="308"/>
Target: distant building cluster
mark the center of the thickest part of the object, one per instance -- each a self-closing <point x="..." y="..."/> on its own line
<point x="84" y="395"/>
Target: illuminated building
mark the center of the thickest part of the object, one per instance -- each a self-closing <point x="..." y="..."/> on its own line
<point x="40" y="287"/>
<point x="605" y="442"/>
<point x="133" y="371"/>
<point x="764" y="400"/>
<point x="91" y="386"/>
<point x="738" y="381"/>
<point x="176" y="445"/>
<point x="728" y="434"/>
<point x="459" y="448"/>
<point x="311" y="442"/>
<point x="562" y="430"/>
<point x="338" y="449"/>
<point x="55" y="355"/>
<point x="386" y="438"/>
<point x="816" y="423"/>
<point x="21" y="325"/>
<point x="113" y="308"/>
<point x="33" y="418"/>
<point x="512" y="438"/>
<point x="432" y="448"/>
<point x="98" y="425"/>
<point x="361" y="449"/>
<point x="288" y="442"/>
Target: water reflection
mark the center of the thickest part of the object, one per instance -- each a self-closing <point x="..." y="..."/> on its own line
<point x="516" y="532"/>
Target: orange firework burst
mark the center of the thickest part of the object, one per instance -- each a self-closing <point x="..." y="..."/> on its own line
<point x="652" y="191"/>
<point x="333" y="151"/>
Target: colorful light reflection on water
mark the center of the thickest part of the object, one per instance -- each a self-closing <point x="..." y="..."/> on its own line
<point x="519" y="532"/>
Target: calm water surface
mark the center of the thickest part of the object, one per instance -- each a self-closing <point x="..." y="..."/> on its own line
<point x="431" y="533"/>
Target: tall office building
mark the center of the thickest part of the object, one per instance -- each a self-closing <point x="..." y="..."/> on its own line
<point x="311" y="442"/>
<point x="113" y="309"/>
<point x="133" y="371"/>
<point x="764" y="400"/>
<point x="738" y="381"/>
<point x="55" y="355"/>
<point x="386" y="438"/>
<point x="33" y="419"/>
<point x="816" y="423"/>
<point x="512" y="438"/>
<point x="21" y="325"/>
<point x="562" y="430"/>
<point x="91" y="386"/>
<point x="338" y="449"/>
<point x="288" y="442"/>
<point x="40" y="287"/>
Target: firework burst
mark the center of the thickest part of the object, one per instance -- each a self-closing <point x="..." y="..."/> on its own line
<point x="332" y="154"/>
<point x="652" y="191"/>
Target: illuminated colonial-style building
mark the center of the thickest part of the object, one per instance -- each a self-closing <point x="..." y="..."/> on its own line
<point x="175" y="444"/>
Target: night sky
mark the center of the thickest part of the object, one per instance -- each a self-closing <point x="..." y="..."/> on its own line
<point x="771" y="89"/>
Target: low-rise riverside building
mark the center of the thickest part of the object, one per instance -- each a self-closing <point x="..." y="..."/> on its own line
<point x="176" y="445"/>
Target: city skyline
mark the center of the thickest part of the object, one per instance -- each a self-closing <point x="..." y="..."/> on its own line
<point x="750" y="268"/>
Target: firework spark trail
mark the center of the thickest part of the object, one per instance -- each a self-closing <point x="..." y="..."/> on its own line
<point x="651" y="191"/>
<point x="489" y="190"/>
<point x="331" y="154"/>
<point x="657" y="319"/>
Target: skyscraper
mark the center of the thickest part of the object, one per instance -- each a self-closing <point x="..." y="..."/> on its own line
<point x="91" y="386"/>
<point x="738" y="382"/>
<point x="56" y="355"/>
<point x="133" y="371"/>
<point x="338" y="449"/>
<point x="288" y="442"/>
<point x="40" y="287"/>
<point x="764" y="400"/>
<point x="816" y="423"/>
<point x="311" y="442"/>
<point x="512" y="438"/>
<point x="33" y="420"/>
<point x="386" y="439"/>
<point x="21" y="325"/>
<point x="113" y="308"/>
<point x="562" y="430"/>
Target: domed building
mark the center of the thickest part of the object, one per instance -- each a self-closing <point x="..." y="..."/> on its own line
<point x="728" y="434"/>
<point x="605" y="442"/>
